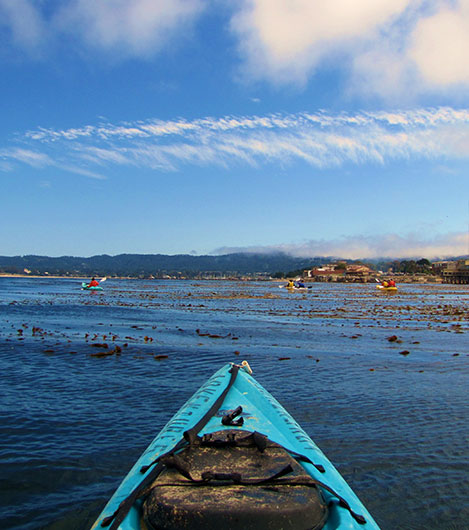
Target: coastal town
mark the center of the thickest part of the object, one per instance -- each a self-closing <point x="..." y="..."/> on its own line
<point x="456" y="272"/>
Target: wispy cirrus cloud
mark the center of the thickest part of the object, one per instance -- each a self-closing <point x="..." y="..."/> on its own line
<point x="40" y="160"/>
<point x="368" y="247"/>
<point x="319" y="139"/>
<point x="27" y="156"/>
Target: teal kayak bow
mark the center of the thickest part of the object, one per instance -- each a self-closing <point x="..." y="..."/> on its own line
<point x="86" y="287"/>
<point x="233" y="457"/>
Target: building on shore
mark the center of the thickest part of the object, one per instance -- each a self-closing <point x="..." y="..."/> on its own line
<point x="453" y="271"/>
<point x="340" y="272"/>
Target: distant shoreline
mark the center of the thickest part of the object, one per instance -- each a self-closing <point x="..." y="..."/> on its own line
<point x="17" y="275"/>
<point x="399" y="277"/>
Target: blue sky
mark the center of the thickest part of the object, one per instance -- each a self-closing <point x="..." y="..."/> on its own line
<point x="212" y="126"/>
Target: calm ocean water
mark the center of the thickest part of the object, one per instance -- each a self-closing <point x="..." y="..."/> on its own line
<point x="393" y="416"/>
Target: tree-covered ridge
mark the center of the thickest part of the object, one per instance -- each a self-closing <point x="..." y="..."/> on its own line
<point x="156" y="265"/>
<point x="188" y="266"/>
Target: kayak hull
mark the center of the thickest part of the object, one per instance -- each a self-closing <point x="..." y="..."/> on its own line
<point x="261" y="413"/>
<point x="85" y="287"/>
<point x="387" y="289"/>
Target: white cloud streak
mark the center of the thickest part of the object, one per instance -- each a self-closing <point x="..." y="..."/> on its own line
<point x="318" y="139"/>
<point x="362" y="247"/>
<point x="27" y="156"/>
<point x="39" y="160"/>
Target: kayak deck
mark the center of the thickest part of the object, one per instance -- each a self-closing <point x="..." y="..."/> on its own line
<point x="86" y="287"/>
<point x="232" y="472"/>
<point x="387" y="289"/>
<point x="261" y="413"/>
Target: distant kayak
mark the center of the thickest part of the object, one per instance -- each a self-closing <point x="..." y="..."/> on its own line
<point x="293" y="288"/>
<point x="389" y="289"/>
<point x="85" y="287"/>
<point x="234" y="458"/>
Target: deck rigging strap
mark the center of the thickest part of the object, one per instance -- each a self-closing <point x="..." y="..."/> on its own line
<point x="190" y="436"/>
<point x="176" y="463"/>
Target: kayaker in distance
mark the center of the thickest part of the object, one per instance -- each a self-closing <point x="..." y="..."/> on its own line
<point x="300" y="284"/>
<point x="290" y="285"/>
<point x="93" y="283"/>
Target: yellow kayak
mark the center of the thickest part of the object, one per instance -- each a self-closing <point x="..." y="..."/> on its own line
<point x="388" y="289"/>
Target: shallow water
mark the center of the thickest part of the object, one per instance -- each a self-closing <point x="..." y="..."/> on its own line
<point x="73" y="421"/>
